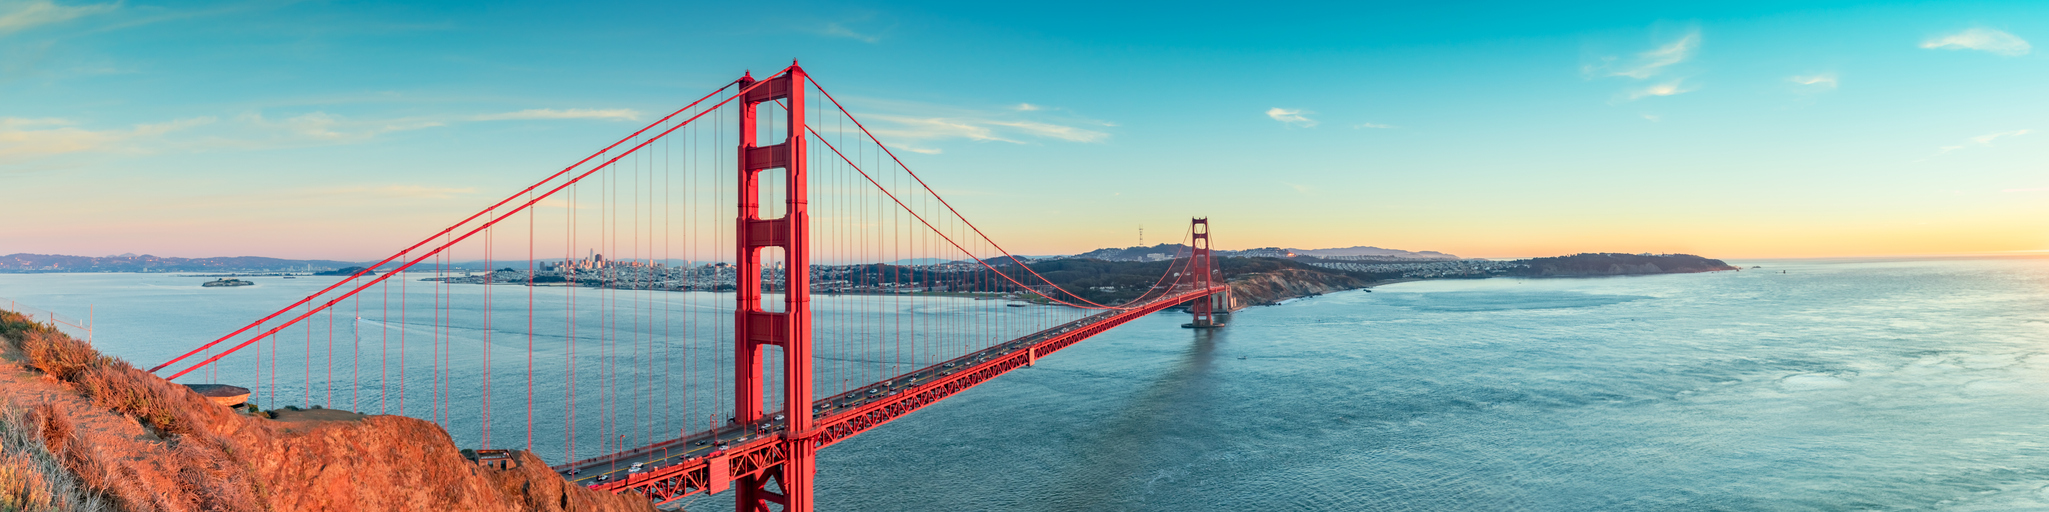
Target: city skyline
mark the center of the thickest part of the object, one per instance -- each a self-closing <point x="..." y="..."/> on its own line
<point x="315" y="131"/>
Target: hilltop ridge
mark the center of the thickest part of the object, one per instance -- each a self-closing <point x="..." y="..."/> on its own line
<point x="1616" y="264"/>
<point x="1376" y="252"/>
<point x="1163" y="252"/>
<point x="130" y="262"/>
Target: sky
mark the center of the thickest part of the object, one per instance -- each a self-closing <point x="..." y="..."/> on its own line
<point x="1726" y="129"/>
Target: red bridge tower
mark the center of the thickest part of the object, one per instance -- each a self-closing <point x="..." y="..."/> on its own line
<point x="1199" y="262"/>
<point x="754" y="328"/>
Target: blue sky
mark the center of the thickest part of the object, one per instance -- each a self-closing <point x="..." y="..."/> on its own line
<point x="1481" y="129"/>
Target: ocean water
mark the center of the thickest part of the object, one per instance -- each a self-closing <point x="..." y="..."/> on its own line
<point x="1837" y="385"/>
<point x="608" y="368"/>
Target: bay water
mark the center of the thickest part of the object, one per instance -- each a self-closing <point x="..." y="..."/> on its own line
<point x="1835" y="385"/>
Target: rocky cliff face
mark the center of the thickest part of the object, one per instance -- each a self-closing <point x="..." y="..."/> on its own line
<point x="400" y="463"/>
<point x="138" y="442"/>
<point x="1273" y="286"/>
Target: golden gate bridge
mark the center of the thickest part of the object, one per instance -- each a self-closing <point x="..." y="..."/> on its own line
<point x="710" y="351"/>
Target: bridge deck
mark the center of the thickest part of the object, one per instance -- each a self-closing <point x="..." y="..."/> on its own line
<point x="707" y="461"/>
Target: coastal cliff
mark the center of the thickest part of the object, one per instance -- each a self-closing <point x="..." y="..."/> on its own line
<point x="83" y="431"/>
<point x="1273" y="286"/>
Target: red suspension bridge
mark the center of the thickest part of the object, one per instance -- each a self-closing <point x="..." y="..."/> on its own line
<point x="622" y="319"/>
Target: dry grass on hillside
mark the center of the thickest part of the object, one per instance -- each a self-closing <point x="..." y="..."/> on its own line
<point x="197" y="474"/>
<point x="109" y="382"/>
<point x="32" y="476"/>
<point x="104" y="435"/>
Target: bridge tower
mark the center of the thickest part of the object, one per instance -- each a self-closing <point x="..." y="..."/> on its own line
<point x="755" y="328"/>
<point x="1199" y="262"/>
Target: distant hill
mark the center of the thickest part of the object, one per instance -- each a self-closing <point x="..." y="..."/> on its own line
<point x="1159" y="252"/>
<point x="1615" y="264"/>
<point x="24" y="262"/>
<point x="922" y="261"/>
<point x="344" y="271"/>
<point x="1169" y="251"/>
<point x="1375" y="252"/>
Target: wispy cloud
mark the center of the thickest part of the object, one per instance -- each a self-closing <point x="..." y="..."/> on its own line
<point x="404" y="191"/>
<point x="615" y="114"/>
<point x="1291" y="117"/>
<point x="557" y="202"/>
<point x="2036" y="189"/>
<point x="851" y="28"/>
<point x="1301" y="189"/>
<point x="32" y="140"/>
<point x="929" y="128"/>
<point x="22" y="140"/>
<point x="836" y="29"/>
<point x="255" y="130"/>
<point x="19" y="16"/>
<point x="996" y="130"/>
<point x="1825" y="81"/>
<point x="321" y="127"/>
<point x="1982" y="140"/>
<point x="1981" y="39"/>
<point x="1672" y="88"/>
<point x="1372" y="125"/>
<point x="1650" y="63"/>
<point x="913" y="126"/>
<point x="27" y="139"/>
<point x="1054" y="131"/>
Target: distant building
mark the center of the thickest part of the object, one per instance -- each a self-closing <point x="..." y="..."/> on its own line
<point x="596" y="261"/>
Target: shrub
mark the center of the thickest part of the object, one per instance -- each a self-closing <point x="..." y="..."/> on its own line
<point x="32" y="477"/>
<point x="132" y="392"/>
<point x="22" y="487"/>
<point x="109" y="382"/>
<point x="13" y="325"/>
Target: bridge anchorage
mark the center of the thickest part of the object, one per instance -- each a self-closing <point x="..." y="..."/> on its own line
<point x="703" y="329"/>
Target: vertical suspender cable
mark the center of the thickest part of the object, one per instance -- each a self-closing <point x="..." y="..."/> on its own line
<point x="356" y="355"/>
<point x="530" y="325"/>
<point x="401" y="402"/>
<point x="383" y="346"/>
<point x="330" y="358"/>
<point x="490" y="280"/>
